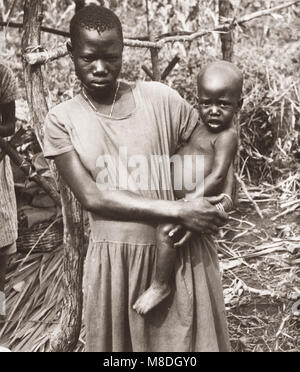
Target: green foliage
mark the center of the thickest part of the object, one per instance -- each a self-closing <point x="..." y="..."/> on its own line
<point x="266" y="49"/>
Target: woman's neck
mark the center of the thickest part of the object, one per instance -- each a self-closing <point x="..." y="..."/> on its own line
<point x="120" y="103"/>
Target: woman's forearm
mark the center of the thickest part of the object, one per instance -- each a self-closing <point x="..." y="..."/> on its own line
<point x="124" y="205"/>
<point x="119" y="205"/>
<point x="199" y="216"/>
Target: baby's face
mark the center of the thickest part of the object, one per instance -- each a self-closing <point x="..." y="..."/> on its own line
<point x="219" y="101"/>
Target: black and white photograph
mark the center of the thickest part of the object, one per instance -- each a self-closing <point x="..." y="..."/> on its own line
<point x="149" y="179"/>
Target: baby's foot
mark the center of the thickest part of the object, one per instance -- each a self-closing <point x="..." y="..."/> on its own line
<point x="151" y="298"/>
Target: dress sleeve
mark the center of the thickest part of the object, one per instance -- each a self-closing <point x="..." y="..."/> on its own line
<point x="8" y="85"/>
<point x="57" y="140"/>
<point x="185" y="117"/>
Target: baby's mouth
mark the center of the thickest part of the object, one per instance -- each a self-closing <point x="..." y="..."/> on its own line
<point x="214" y="124"/>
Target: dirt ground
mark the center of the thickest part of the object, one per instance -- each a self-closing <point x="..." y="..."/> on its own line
<point x="261" y="292"/>
<point x="260" y="262"/>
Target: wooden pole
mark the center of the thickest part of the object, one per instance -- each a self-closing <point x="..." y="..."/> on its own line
<point x="225" y="12"/>
<point x="34" y="83"/>
<point x="66" y="335"/>
<point x="154" y="52"/>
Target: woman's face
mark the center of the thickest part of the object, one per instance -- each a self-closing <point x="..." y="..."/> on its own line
<point x="98" y="60"/>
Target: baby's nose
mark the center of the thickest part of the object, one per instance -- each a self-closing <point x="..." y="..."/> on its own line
<point x="214" y="109"/>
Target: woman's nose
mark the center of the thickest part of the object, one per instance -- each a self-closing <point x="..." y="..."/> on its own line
<point x="100" y="68"/>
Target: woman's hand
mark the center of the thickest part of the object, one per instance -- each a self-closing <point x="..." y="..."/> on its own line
<point x="201" y="216"/>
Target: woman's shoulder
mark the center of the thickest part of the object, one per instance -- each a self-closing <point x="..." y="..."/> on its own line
<point x="157" y="91"/>
<point x="154" y="86"/>
<point x="65" y="107"/>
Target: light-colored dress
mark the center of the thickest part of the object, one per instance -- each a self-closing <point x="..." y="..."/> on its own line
<point x="8" y="208"/>
<point x="121" y="257"/>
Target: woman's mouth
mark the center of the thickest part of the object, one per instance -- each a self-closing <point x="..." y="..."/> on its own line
<point x="100" y="84"/>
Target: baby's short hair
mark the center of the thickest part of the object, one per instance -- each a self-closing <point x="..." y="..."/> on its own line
<point x="225" y="67"/>
<point x="95" y="17"/>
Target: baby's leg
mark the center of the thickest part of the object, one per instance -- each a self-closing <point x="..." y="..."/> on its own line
<point x="165" y="262"/>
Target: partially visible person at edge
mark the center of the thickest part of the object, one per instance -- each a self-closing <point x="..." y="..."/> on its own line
<point x="8" y="208"/>
<point x="120" y="123"/>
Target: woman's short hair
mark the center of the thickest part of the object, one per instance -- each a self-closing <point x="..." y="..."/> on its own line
<point x="95" y="17"/>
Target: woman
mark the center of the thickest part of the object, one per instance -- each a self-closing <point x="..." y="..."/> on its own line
<point x="103" y="142"/>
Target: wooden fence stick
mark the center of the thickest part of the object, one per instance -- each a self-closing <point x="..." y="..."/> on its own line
<point x="226" y="27"/>
<point x="170" y="68"/>
<point x="67" y="333"/>
<point x="244" y="187"/>
<point x="148" y="72"/>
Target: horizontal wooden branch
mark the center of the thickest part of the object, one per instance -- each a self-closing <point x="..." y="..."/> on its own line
<point x="62" y="33"/>
<point x="44" y="29"/>
<point x="46" y="56"/>
<point x="43" y="57"/>
<point x="226" y="27"/>
<point x="51" y="55"/>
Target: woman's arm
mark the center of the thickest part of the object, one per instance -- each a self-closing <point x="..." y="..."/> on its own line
<point x="8" y="125"/>
<point x="199" y="216"/>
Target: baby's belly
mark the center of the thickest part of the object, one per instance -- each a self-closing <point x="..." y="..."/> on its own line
<point x="189" y="171"/>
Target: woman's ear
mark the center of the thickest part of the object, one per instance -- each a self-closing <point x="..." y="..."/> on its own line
<point x="70" y="49"/>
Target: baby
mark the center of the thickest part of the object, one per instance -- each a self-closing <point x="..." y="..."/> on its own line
<point x="220" y="86"/>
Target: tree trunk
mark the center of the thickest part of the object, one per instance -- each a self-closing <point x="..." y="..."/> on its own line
<point x="154" y="52"/>
<point x="226" y="11"/>
<point x="66" y="336"/>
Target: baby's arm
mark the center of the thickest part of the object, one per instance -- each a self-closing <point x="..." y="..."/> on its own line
<point x="7" y="127"/>
<point x="225" y="150"/>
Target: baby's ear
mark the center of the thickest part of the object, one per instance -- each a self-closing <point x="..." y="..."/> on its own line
<point x="70" y="49"/>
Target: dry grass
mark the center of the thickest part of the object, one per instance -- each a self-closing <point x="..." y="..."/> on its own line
<point x="260" y="264"/>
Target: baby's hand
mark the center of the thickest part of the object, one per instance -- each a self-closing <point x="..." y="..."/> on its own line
<point x="183" y="239"/>
<point x="186" y="238"/>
